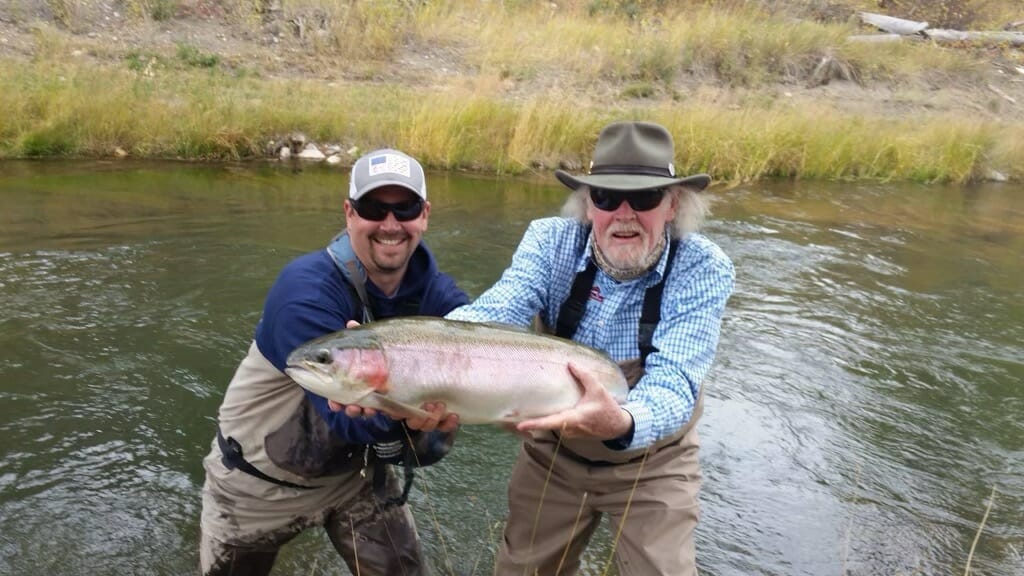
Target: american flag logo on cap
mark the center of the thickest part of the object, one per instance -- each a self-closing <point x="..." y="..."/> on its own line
<point x="390" y="163"/>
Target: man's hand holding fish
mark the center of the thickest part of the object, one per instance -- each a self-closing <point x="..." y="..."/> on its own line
<point x="438" y="419"/>
<point x="597" y="415"/>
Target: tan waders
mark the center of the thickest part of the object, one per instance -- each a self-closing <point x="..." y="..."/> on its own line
<point x="551" y="521"/>
<point x="243" y="530"/>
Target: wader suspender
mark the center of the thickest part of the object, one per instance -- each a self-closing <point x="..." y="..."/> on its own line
<point x="231" y="457"/>
<point x="571" y="312"/>
<point x="340" y="250"/>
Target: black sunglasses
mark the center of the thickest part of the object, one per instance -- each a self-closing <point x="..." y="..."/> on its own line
<point x="375" y="210"/>
<point x="642" y="201"/>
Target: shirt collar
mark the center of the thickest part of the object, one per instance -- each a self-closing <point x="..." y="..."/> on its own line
<point x="658" y="273"/>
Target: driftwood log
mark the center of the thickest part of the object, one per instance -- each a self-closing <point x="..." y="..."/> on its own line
<point x="898" y="28"/>
<point x="893" y="25"/>
<point x="1012" y="38"/>
<point x="875" y="38"/>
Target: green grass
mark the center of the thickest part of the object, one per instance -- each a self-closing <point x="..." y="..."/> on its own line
<point x="193" y="57"/>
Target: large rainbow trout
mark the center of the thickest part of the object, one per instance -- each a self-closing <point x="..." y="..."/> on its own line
<point x="485" y="373"/>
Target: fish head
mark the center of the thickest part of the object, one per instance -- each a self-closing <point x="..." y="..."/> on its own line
<point x="345" y="375"/>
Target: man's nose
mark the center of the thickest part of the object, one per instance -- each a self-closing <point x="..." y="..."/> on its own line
<point x="624" y="211"/>
<point x="390" y="222"/>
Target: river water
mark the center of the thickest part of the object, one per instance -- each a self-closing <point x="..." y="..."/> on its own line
<point x="866" y="400"/>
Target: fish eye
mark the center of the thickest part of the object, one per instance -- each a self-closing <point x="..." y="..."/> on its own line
<point x="322" y="356"/>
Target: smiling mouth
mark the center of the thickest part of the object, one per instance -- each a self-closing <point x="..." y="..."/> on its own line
<point x="625" y="235"/>
<point x="389" y="241"/>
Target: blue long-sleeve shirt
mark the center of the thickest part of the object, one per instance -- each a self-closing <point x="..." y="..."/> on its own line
<point x="311" y="298"/>
<point x="554" y="250"/>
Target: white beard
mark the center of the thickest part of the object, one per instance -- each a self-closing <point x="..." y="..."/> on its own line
<point x="623" y="274"/>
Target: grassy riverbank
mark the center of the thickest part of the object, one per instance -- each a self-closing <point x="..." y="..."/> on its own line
<point x="516" y="86"/>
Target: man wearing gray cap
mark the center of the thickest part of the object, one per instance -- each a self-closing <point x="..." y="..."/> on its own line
<point x="282" y="460"/>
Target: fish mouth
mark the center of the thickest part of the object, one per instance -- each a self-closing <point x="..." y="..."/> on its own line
<point x="319" y="380"/>
<point x="309" y="375"/>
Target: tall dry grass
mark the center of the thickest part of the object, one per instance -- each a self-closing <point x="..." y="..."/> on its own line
<point x="192" y="104"/>
<point x="199" y="114"/>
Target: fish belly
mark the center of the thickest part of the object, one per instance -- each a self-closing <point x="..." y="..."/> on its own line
<point x="483" y="388"/>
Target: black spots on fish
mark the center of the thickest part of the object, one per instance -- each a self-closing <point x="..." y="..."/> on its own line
<point x="322" y="356"/>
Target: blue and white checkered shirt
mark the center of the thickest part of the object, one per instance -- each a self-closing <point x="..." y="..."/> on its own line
<point x="543" y="268"/>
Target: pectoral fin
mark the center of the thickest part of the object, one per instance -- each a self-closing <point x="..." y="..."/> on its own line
<point x="392" y="408"/>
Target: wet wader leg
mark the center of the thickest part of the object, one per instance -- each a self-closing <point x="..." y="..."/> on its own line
<point x="386" y="542"/>
<point x="524" y="553"/>
<point x="657" y="537"/>
<point x="240" y="529"/>
<point x="219" y="559"/>
<point x="657" y="541"/>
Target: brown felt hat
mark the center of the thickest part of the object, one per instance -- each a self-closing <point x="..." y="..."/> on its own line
<point x="631" y="157"/>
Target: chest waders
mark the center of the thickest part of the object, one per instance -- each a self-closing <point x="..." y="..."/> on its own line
<point x="571" y="312"/>
<point x="340" y="250"/>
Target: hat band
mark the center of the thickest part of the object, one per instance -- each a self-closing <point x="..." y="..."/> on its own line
<point x="631" y="169"/>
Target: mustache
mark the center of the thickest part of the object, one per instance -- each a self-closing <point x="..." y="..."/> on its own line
<point x="625" y="229"/>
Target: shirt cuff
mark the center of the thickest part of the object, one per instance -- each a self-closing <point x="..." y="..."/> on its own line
<point x="642" y="425"/>
<point x="622" y="442"/>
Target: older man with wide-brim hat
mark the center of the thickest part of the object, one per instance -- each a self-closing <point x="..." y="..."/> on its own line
<point x="624" y="271"/>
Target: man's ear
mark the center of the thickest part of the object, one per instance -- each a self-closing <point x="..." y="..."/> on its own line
<point x="674" y="194"/>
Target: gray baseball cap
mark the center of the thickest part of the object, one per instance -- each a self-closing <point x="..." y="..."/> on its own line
<point x="386" y="167"/>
